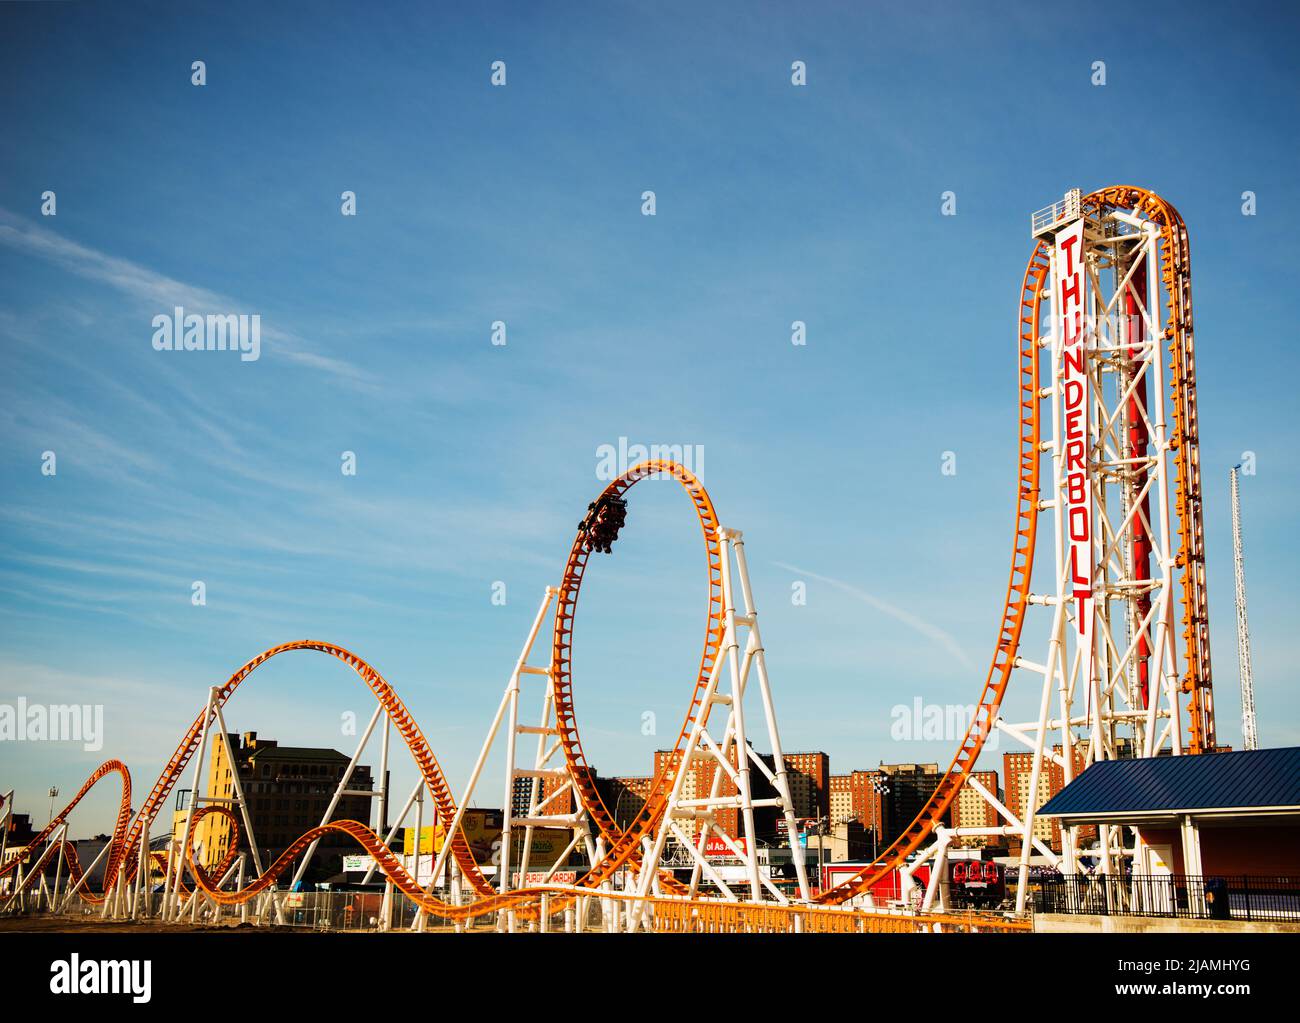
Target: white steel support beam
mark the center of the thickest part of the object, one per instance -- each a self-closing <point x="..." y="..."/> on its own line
<point x="729" y="756"/>
<point x="171" y="904"/>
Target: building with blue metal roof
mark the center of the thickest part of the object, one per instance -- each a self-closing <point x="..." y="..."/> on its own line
<point x="1218" y="813"/>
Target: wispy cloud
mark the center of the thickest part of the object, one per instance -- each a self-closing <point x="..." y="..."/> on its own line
<point x="48" y="420"/>
<point x="159" y="292"/>
<point x="898" y="614"/>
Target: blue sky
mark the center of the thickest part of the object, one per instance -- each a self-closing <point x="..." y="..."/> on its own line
<point x="523" y="204"/>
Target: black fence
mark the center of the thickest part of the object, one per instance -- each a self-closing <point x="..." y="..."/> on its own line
<point x="1171" y="895"/>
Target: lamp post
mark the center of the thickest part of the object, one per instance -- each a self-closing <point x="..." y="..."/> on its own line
<point x="880" y="785"/>
<point x="820" y="824"/>
<point x="618" y="807"/>
<point x="54" y="791"/>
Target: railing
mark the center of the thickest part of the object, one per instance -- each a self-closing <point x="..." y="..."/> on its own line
<point x="1062" y="212"/>
<point x="593" y="912"/>
<point x="343" y="911"/>
<point x="727" y="917"/>
<point x="1190" y="897"/>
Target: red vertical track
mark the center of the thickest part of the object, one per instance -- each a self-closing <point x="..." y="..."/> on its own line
<point x="1138" y="443"/>
<point x="1176" y="281"/>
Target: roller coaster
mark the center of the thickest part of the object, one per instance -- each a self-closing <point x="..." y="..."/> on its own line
<point x="1107" y="442"/>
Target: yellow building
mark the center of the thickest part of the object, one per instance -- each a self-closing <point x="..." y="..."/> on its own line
<point x="288" y="789"/>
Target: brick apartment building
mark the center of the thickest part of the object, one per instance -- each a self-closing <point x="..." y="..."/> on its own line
<point x="853" y="797"/>
<point x="624" y="797"/>
<point x="1017" y="772"/>
<point x="971" y="810"/>
<point x="809" y="775"/>
<point x="288" y="789"/>
<point x="550" y="804"/>
<point x="910" y="788"/>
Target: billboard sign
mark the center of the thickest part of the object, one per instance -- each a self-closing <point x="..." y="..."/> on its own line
<point x="481" y="828"/>
<point x="715" y="846"/>
<point x="538" y="877"/>
<point x="423" y="873"/>
<point x="546" y="847"/>
<point x="1072" y="323"/>
<point x="426" y="839"/>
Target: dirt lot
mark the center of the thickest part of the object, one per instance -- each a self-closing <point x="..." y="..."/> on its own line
<point x="94" y="925"/>
<point x="41" y="924"/>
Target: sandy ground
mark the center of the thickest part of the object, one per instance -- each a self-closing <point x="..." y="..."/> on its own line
<point x="41" y="924"/>
<point x="94" y="925"/>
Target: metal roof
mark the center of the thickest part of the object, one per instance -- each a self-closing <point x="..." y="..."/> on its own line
<point x="1213" y="781"/>
<point x="297" y="753"/>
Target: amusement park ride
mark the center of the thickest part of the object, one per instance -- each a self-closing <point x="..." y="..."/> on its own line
<point x="1118" y="654"/>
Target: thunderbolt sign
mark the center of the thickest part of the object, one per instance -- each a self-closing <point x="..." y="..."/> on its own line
<point x="1078" y="496"/>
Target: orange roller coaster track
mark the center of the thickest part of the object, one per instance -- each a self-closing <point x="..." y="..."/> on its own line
<point x="624" y="846"/>
<point x="117" y="849"/>
<point x="126" y="840"/>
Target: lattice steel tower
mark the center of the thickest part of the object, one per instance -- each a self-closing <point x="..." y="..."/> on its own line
<point x="1249" y="737"/>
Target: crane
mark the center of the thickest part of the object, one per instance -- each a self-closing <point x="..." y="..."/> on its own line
<point x="1249" y="737"/>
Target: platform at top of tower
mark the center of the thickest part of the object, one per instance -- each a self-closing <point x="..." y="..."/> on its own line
<point x="1051" y="218"/>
